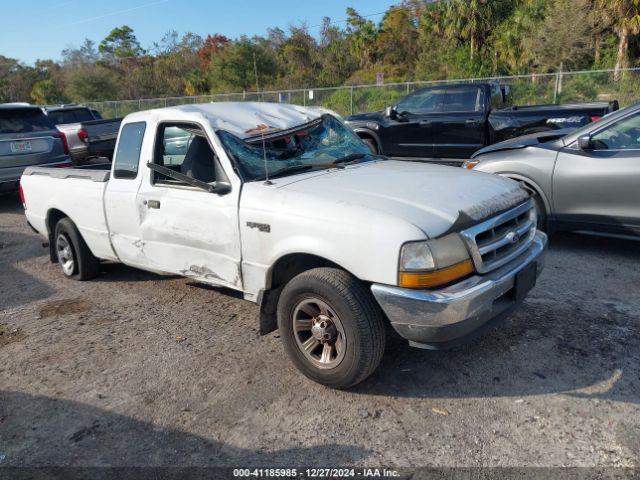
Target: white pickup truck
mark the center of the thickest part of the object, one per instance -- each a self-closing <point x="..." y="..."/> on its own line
<point x="287" y="205"/>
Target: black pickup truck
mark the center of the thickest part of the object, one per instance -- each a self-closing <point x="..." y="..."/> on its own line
<point x="454" y="121"/>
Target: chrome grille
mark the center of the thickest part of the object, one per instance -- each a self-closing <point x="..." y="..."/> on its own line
<point x="502" y="238"/>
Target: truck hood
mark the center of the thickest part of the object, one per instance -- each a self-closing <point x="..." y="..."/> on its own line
<point x="435" y="198"/>
<point x="527" y="141"/>
<point x="364" y="117"/>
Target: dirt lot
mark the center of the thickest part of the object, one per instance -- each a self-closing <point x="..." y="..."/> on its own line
<point x="136" y="369"/>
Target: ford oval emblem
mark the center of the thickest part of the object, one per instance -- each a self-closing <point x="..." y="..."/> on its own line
<point x="512" y="237"/>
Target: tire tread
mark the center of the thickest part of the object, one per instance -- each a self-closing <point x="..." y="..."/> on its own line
<point x="368" y="319"/>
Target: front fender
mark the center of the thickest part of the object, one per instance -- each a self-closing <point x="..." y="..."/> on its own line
<point x="364" y="131"/>
<point x="530" y="183"/>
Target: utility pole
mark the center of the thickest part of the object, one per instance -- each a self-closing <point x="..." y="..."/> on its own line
<point x="255" y="71"/>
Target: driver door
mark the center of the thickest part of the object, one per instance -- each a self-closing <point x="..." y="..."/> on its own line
<point x="186" y="230"/>
<point x="412" y="133"/>
<point x="599" y="188"/>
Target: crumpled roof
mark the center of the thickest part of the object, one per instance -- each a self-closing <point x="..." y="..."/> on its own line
<point x="248" y="119"/>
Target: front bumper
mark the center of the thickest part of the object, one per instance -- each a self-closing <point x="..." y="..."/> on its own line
<point x="451" y="316"/>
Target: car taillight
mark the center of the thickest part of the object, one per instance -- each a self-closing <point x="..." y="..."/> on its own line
<point x="83" y="135"/>
<point x="65" y="144"/>
<point x="24" y="203"/>
<point x="595" y="119"/>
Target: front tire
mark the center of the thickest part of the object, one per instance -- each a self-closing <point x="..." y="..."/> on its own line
<point x="74" y="256"/>
<point x="331" y="327"/>
<point x="541" y="212"/>
<point x="373" y="146"/>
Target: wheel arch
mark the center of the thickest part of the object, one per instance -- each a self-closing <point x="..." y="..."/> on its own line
<point x="530" y="185"/>
<point x="368" y="133"/>
<point x="284" y="269"/>
<point x="54" y="215"/>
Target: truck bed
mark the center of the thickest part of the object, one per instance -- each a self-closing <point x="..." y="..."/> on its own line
<point x="516" y="121"/>
<point x="74" y="192"/>
<point x="587" y="106"/>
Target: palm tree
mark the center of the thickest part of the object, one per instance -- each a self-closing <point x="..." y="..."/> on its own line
<point x="626" y="15"/>
<point x="512" y="37"/>
<point x="472" y="20"/>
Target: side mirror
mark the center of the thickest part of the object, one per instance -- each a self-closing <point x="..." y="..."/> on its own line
<point x="391" y="113"/>
<point x="220" y="188"/>
<point x="584" y="142"/>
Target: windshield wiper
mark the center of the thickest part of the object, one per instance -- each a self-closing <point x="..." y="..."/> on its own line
<point x="303" y="168"/>
<point x="292" y="169"/>
<point x="350" y="158"/>
<point x="358" y="156"/>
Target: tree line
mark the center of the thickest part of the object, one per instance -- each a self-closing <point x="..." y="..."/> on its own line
<point x="414" y="40"/>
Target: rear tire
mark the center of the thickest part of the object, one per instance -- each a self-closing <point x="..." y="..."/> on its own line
<point x="74" y="257"/>
<point x="331" y="327"/>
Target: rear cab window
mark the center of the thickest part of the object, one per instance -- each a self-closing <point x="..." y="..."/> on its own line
<point x="127" y="157"/>
<point x="70" y="115"/>
<point x="24" y="120"/>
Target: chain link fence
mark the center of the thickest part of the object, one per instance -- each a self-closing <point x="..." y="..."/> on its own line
<point x="562" y="87"/>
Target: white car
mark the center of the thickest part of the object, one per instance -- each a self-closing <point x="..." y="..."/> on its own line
<point x="287" y="205"/>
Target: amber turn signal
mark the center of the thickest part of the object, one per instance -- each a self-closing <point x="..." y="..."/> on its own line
<point x="437" y="277"/>
<point x="470" y="164"/>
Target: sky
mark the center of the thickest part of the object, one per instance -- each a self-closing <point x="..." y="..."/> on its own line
<point x="41" y="29"/>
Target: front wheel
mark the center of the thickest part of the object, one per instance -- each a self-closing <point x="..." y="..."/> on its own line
<point x="541" y="212"/>
<point x="373" y="146"/>
<point x="331" y="327"/>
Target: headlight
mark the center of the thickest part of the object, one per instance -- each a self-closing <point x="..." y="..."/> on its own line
<point x="434" y="262"/>
<point x="416" y="256"/>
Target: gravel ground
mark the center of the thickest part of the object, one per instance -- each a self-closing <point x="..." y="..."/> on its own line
<point x="136" y="369"/>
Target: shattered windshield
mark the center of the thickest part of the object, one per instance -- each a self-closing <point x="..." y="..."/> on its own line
<point x="320" y="144"/>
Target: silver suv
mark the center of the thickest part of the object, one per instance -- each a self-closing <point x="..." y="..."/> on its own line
<point x="27" y="137"/>
<point x="581" y="180"/>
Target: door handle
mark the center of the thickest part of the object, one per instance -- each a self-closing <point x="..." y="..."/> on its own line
<point x="151" y="203"/>
<point x="471" y="121"/>
<point x="425" y="123"/>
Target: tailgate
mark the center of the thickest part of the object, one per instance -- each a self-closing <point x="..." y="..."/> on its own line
<point x="100" y="130"/>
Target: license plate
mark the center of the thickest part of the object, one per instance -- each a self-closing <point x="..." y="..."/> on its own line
<point x="19" y="147"/>
<point x="525" y="281"/>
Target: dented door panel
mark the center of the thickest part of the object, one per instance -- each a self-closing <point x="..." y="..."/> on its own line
<point x="191" y="232"/>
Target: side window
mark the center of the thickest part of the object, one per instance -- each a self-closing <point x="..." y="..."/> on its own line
<point x="622" y="135"/>
<point x="422" y="101"/>
<point x="468" y="99"/>
<point x="184" y="148"/>
<point x="496" y="96"/>
<point x="125" y="163"/>
<point x="82" y="115"/>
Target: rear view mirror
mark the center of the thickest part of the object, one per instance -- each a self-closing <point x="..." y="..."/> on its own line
<point x="584" y="142"/>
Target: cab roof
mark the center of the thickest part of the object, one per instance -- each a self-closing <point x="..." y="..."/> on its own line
<point x="242" y="119"/>
<point x="17" y="105"/>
